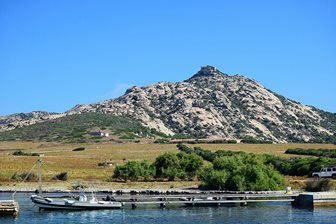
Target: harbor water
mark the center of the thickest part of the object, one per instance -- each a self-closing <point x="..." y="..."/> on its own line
<point x="275" y="212"/>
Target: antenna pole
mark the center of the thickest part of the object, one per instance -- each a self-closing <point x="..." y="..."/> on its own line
<point x="39" y="161"/>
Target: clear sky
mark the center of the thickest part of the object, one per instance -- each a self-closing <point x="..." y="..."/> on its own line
<point x="55" y="54"/>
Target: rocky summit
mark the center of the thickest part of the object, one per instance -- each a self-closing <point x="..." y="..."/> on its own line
<point x="209" y="104"/>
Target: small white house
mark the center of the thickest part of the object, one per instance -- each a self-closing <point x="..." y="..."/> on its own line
<point x="100" y="133"/>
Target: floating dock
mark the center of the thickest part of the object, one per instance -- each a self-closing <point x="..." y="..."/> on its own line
<point x="9" y="207"/>
<point x="199" y="200"/>
<point x="316" y="199"/>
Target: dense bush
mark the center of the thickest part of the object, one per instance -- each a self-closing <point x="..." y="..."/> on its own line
<point x="319" y="185"/>
<point x="79" y="149"/>
<point x="241" y="172"/>
<point x="291" y="166"/>
<point x="181" y="165"/>
<point x="331" y="153"/>
<point x="61" y="176"/>
<point x="19" y="152"/>
<point x="190" y="164"/>
<point x="184" y="148"/>
<point x="168" y="166"/>
<point x="134" y="170"/>
<point x="298" y="166"/>
<point x="26" y="176"/>
<point x="162" y="141"/>
<point x="206" y="154"/>
<point x="250" y="140"/>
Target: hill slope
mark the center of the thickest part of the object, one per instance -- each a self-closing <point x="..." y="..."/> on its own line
<point x="214" y="104"/>
<point x="80" y="128"/>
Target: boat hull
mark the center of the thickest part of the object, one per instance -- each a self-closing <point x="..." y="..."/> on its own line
<point x="64" y="204"/>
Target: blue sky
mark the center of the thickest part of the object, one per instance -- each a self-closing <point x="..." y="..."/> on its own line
<point x="55" y="54"/>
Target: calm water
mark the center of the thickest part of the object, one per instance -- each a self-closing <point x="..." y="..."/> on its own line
<point x="257" y="213"/>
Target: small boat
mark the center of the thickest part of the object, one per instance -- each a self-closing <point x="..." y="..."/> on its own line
<point x="73" y="204"/>
<point x="82" y="203"/>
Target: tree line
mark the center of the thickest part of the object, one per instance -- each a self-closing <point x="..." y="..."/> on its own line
<point x="221" y="170"/>
<point x="331" y="153"/>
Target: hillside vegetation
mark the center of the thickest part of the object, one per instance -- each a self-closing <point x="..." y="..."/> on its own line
<point x="78" y="128"/>
<point x="85" y="165"/>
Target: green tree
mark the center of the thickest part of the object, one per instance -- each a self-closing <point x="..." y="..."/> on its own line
<point x="190" y="163"/>
<point x="167" y="166"/>
<point x="241" y="172"/>
<point x="134" y="170"/>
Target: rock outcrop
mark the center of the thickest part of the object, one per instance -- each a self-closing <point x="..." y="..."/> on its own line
<point x="209" y="104"/>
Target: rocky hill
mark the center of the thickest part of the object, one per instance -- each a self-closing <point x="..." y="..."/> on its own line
<point x="18" y="120"/>
<point x="210" y="104"/>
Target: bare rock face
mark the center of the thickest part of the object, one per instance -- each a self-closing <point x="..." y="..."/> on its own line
<point x="22" y="119"/>
<point x="209" y="104"/>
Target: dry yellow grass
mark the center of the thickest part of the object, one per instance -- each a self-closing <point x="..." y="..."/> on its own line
<point x="82" y="165"/>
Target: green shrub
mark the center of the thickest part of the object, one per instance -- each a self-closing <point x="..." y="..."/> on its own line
<point x="134" y="170"/>
<point x="318" y="185"/>
<point x="213" y="179"/>
<point x="22" y="153"/>
<point x="189" y="164"/>
<point x="331" y="153"/>
<point x="241" y="173"/>
<point x="79" y="149"/>
<point x="251" y="140"/>
<point x="19" y="152"/>
<point x="26" y="176"/>
<point x="16" y="177"/>
<point x="184" y="148"/>
<point x="161" y="141"/>
<point x="167" y="166"/>
<point x="61" y="176"/>
<point x="299" y="166"/>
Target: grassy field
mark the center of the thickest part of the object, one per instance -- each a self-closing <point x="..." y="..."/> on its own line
<point x="82" y="165"/>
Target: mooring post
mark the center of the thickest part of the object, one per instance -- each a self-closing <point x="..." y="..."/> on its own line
<point x="163" y="205"/>
<point x="244" y="202"/>
<point x="134" y="205"/>
<point x="39" y="161"/>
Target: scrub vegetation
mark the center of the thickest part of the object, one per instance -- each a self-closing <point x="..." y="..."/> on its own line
<point x="84" y="165"/>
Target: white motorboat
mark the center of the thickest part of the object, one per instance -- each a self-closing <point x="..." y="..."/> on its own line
<point x="73" y="204"/>
<point x="82" y="203"/>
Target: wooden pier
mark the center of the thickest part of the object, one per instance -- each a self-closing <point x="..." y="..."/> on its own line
<point x="9" y="207"/>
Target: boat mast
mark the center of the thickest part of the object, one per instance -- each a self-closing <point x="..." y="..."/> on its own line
<point x="39" y="162"/>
